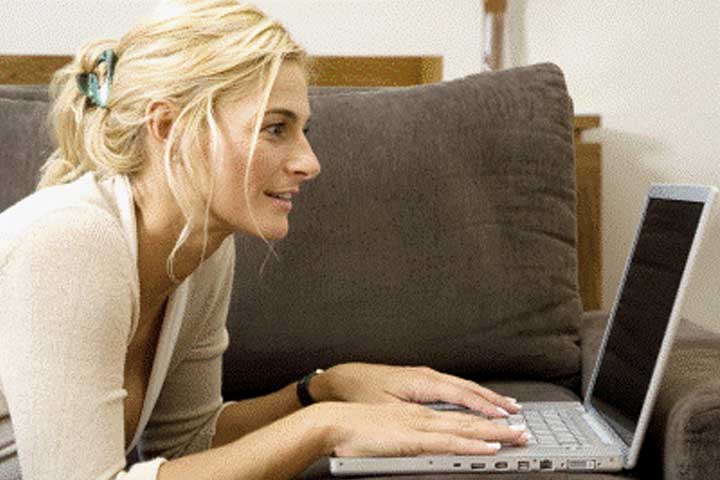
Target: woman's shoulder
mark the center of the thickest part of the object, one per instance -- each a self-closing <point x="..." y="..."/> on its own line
<point x="77" y="209"/>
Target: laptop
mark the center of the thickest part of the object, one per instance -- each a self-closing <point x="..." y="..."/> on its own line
<point x="606" y="430"/>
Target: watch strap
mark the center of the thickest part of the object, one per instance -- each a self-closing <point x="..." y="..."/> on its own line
<point x="303" y="388"/>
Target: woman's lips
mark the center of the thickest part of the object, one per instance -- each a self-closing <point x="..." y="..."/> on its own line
<point x="280" y="203"/>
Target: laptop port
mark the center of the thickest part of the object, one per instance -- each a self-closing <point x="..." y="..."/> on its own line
<point x="581" y="464"/>
<point x="501" y="465"/>
<point x="546" y="465"/>
<point x="523" y="466"/>
<point x="457" y="465"/>
<point x="477" y="466"/>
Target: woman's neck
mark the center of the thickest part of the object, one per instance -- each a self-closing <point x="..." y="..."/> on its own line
<point x="159" y="222"/>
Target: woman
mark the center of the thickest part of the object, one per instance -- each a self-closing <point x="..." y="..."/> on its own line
<point x="116" y="273"/>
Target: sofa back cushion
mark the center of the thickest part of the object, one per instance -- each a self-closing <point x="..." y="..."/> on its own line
<point x="24" y="141"/>
<point x="440" y="232"/>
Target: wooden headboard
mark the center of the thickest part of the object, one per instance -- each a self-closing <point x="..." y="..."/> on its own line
<point x="331" y="71"/>
<point x="406" y="71"/>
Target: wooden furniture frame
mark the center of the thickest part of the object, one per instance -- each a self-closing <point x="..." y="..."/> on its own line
<point x="406" y="71"/>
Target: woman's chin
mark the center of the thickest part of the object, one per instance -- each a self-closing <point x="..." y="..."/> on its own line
<point x="274" y="231"/>
<point x="273" y="227"/>
<point x="275" y="235"/>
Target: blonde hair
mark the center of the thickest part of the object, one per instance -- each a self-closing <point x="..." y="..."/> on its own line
<point x="195" y="53"/>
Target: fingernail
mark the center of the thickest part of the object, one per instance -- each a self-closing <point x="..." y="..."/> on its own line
<point x="503" y="411"/>
<point x="525" y="436"/>
<point x="494" y="445"/>
<point x="511" y="399"/>
<point x="518" y="427"/>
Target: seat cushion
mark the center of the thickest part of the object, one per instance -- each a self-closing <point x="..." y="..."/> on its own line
<point x="440" y="232"/>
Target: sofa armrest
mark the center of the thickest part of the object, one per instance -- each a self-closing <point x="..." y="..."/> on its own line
<point x="684" y="430"/>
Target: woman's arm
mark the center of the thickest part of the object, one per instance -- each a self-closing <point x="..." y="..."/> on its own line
<point x="65" y="317"/>
<point x="287" y="447"/>
<point x="241" y="418"/>
<point x="281" y="450"/>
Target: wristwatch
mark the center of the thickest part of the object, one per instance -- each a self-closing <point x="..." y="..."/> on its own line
<point x="303" y="392"/>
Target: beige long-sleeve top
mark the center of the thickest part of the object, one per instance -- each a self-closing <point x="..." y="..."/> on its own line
<point x="69" y="306"/>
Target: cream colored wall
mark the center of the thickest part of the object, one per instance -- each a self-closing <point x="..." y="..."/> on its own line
<point x="651" y="68"/>
<point x="450" y="28"/>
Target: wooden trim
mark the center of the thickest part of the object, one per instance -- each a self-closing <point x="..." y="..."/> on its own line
<point x="495" y="6"/>
<point x="377" y="71"/>
<point x="585" y="122"/>
<point x="30" y="69"/>
<point x="589" y="228"/>
<point x="328" y="70"/>
<point x="588" y="165"/>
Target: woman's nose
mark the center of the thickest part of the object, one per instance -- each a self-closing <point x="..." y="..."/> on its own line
<point x="305" y="162"/>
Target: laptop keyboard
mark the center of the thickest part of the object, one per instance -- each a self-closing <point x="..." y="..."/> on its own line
<point x="548" y="428"/>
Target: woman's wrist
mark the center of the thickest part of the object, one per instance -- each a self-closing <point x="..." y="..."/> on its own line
<point x="320" y="422"/>
<point x="320" y="387"/>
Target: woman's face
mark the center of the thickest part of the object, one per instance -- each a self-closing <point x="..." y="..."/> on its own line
<point x="283" y="158"/>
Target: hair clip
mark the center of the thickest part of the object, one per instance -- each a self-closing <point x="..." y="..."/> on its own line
<point x="90" y="85"/>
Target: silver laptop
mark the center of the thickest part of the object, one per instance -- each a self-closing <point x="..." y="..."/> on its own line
<point x="605" y="432"/>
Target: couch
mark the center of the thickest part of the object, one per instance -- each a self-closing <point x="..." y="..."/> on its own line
<point x="441" y="232"/>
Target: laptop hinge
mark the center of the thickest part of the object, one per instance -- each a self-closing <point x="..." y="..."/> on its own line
<point x="604" y="430"/>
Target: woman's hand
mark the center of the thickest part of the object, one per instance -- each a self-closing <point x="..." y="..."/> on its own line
<point x="370" y="383"/>
<point x="406" y="429"/>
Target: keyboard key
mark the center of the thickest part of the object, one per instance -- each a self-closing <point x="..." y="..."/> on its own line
<point x="516" y="419"/>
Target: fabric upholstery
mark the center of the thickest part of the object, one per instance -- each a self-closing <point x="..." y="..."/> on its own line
<point x="24" y="92"/>
<point x="25" y="145"/>
<point x="684" y="427"/>
<point x="441" y="232"/>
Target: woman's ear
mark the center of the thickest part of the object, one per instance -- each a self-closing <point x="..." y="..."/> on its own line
<point x="160" y="115"/>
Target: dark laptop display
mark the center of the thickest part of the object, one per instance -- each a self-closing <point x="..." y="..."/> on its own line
<point x="643" y="311"/>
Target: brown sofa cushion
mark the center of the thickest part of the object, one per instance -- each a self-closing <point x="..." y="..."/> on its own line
<point x="440" y="232"/>
<point x="25" y="144"/>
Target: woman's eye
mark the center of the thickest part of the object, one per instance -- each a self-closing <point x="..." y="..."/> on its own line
<point x="277" y="129"/>
<point x="277" y="125"/>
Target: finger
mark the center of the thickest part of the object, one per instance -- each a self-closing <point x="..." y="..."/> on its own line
<point x="445" y="443"/>
<point x="516" y="434"/>
<point x="508" y="404"/>
<point x="473" y="427"/>
<point x="449" y="392"/>
<point x="494" y="397"/>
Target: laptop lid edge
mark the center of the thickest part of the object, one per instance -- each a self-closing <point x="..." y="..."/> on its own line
<point x="706" y="195"/>
<point x="695" y="193"/>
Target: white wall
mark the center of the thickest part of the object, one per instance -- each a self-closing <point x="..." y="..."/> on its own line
<point x="650" y="68"/>
<point x="450" y="28"/>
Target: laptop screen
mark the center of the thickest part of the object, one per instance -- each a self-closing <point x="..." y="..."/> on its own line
<point x="643" y="311"/>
